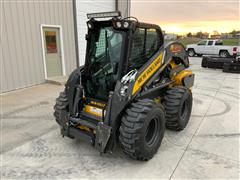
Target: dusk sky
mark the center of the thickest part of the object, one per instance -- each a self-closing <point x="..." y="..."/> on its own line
<point x="182" y="16"/>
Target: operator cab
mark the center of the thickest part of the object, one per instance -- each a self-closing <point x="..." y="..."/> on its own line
<point x="115" y="47"/>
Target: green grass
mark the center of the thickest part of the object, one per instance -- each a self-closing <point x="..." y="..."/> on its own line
<point x="230" y="42"/>
<point x="185" y="41"/>
<point x="188" y="41"/>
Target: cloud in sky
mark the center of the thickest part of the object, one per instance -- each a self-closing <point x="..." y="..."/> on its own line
<point x="189" y="14"/>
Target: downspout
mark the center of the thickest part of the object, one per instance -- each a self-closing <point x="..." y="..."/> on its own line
<point x="75" y="31"/>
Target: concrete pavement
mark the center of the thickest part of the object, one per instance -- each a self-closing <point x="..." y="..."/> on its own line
<point x="207" y="149"/>
<point x="27" y="114"/>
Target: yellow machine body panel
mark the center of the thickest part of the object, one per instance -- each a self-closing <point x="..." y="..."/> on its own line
<point x="147" y="73"/>
<point x="178" y="78"/>
<point x="93" y="110"/>
<point x="84" y="128"/>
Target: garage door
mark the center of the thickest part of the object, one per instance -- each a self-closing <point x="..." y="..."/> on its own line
<point x="84" y="7"/>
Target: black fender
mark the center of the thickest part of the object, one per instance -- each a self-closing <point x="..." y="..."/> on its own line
<point x="177" y="54"/>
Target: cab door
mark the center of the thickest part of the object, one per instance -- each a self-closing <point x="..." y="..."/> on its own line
<point x="209" y="49"/>
<point x="201" y="47"/>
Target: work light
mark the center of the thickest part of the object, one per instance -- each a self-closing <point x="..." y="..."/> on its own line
<point x="125" y="24"/>
<point x="118" y="24"/>
<point x="89" y="25"/>
<point x="104" y="14"/>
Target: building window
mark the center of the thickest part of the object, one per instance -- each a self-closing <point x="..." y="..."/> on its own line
<point x="51" y="41"/>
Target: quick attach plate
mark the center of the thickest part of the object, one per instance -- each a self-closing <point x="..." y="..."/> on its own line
<point x="103" y="133"/>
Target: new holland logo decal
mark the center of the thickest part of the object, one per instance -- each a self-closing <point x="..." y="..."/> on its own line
<point x="147" y="73"/>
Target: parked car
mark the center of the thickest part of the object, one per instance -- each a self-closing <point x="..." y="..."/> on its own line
<point x="211" y="47"/>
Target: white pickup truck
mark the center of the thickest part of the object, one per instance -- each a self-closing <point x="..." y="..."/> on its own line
<point x="211" y="47"/>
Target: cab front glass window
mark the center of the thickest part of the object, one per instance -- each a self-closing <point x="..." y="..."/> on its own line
<point x="106" y="48"/>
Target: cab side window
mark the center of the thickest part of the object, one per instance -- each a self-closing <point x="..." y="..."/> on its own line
<point x="152" y="43"/>
<point x="137" y="54"/>
<point x="145" y="44"/>
<point x="210" y="43"/>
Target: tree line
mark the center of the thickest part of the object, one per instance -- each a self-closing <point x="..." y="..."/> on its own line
<point x="201" y="34"/>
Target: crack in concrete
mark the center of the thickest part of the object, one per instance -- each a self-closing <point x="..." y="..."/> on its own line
<point x="231" y="135"/>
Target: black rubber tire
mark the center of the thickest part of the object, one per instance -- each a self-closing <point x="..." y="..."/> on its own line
<point x="136" y="138"/>
<point x="204" y="62"/>
<point x="226" y="67"/>
<point x="178" y="107"/>
<point x="61" y="105"/>
<point x="191" y="52"/>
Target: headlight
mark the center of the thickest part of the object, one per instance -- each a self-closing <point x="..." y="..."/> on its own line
<point x="125" y="24"/>
<point x="89" y="25"/>
<point x="118" y="24"/>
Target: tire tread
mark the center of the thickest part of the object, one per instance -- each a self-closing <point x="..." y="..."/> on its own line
<point x="132" y="122"/>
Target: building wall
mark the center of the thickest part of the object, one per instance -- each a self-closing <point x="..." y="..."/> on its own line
<point x="22" y="59"/>
<point x="94" y="6"/>
<point x="82" y="9"/>
<point x="124" y="6"/>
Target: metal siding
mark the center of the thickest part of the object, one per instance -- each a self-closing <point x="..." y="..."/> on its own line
<point x="66" y="31"/>
<point x="124" y="7"/>
<point x="9" y="47"/>
<point x="38" y="17"/>
<point x="5" y="84"/>
<point x="5" y="55"/>
<point x="28" y="67"/>
<point x="69" y="15"/>
<point x="47" y="12"/>
<point x="82" y="10"/>
<point x="3" y="76"/>
<point x="33" y="57"/>
<point x="22" y="45"/>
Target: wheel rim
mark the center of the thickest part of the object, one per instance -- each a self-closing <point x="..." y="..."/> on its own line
<point x="223" y="54"/>
<point x="190" y="53"/>
<point x="152" y="131"/>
